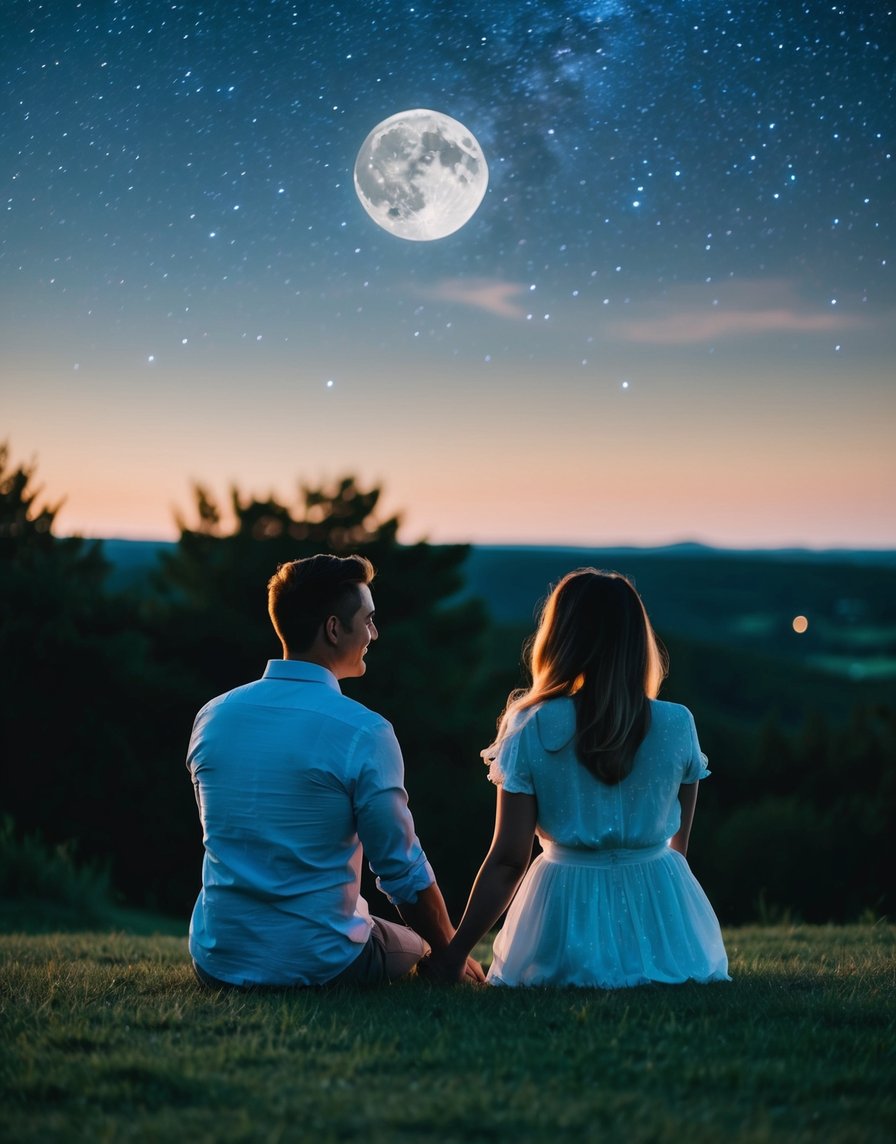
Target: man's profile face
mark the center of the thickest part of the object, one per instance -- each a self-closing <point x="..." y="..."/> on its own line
<point x="352" y="642"/>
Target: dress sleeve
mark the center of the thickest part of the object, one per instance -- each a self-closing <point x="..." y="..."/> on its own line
<point x="508" y="763"/>
<point x="695" y="767"/>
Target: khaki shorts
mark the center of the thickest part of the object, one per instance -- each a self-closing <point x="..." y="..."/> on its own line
<point x="391" y="952"/>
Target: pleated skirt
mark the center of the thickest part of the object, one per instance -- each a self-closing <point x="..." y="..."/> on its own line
<point x="609" y="919"/>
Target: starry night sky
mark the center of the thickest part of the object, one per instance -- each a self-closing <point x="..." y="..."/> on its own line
<point x="672" y="317"/>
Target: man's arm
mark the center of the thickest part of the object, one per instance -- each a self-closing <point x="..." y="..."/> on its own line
<point x="386" y="830"/>
<point x="428" y="916"/>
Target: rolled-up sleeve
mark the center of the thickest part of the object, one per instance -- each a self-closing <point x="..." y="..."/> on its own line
<point x="384" y="821"/>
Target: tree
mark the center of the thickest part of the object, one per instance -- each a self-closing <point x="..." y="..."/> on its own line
<point x="62" y="650"/>
<point x="23" y="524"/>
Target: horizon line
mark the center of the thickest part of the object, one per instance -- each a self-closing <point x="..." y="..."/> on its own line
<point x="564" y="546"/>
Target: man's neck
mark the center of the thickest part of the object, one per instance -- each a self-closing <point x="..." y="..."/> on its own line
<point x="314" y="655"/>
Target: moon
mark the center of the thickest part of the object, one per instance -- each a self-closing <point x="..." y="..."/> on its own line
<point x="420" y="175"/>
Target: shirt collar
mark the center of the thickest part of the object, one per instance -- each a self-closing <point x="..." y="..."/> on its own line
<point x="300" y="671"/>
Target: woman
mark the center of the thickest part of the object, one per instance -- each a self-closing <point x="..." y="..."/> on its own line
<point x="606" y="775"/>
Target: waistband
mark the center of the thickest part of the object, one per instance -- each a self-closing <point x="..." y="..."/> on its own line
<point x="577" y="856"/>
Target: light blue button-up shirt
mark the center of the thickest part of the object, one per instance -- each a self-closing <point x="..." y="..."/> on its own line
<point x="292" y="779"/>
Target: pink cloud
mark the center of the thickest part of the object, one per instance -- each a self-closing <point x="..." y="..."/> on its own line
<point x="490" y="295"/>
<point x="683" y="328"/>
<point x="696" y="314"/>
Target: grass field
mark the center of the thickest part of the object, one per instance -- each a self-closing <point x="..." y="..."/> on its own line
<point x="105" y="1037"/>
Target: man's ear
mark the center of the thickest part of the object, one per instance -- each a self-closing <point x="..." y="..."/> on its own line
<point x="331" y="630"/>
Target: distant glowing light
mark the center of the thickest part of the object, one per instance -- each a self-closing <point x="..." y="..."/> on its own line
<point x="800" y="624"/>
<point x="625" y="385"/>
<point x="151" y="358"/>
<point x="329" y="383"/>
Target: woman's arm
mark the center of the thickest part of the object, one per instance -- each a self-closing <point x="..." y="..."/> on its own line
<point x="496" y="883"/>
<point x="687" y="797"/>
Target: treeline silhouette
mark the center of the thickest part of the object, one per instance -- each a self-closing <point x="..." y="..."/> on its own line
<point x="99" y="688"/>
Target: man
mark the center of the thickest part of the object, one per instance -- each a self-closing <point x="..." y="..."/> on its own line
<point x="295" y="782"/>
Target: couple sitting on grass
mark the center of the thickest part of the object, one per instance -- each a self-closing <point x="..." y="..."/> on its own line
<point x="296" y="784"/>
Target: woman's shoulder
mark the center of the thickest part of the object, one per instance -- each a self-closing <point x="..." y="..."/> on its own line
<point x="664" y="714"/>
<point x="664" y="709"/>
<point x="555" y="722"/>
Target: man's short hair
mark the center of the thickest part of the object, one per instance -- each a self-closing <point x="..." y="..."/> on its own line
<point x="303" y="594"/>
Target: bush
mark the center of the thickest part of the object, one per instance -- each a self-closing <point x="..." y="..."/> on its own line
<point x="37" y="879"/>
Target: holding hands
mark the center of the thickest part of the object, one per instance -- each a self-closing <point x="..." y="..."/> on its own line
<point x="445" y="968"/>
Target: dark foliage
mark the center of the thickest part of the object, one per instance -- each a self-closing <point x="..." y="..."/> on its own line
<point x="83" y="731"/>
<point x="100" y="689"/>
<point x="804" y="826"/>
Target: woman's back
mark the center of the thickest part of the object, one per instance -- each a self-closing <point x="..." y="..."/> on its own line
<point x="610" y="901"/>
<point x="607" y="903"/>
<point x="577" y="810"/>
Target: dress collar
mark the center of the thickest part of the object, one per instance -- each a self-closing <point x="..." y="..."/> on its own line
<point x="300" y="671"/>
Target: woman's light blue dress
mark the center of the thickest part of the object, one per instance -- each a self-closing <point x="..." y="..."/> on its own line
<point x="607" y="903"/>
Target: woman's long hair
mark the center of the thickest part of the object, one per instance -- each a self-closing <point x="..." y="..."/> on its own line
<point x="595" y="643"/>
